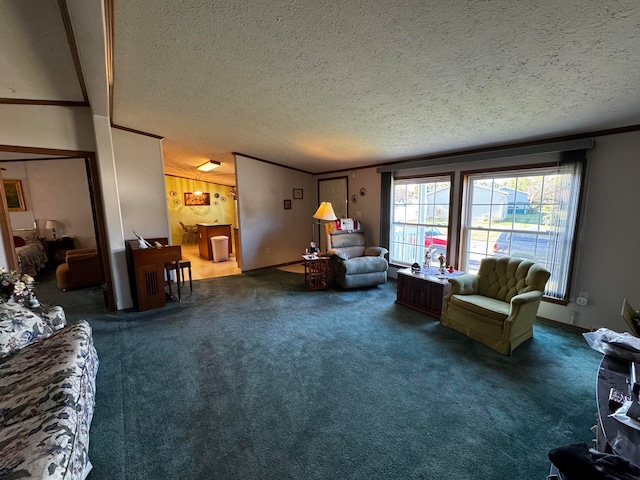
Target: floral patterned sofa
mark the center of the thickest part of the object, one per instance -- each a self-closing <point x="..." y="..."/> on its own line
<point x="47" y="386"/>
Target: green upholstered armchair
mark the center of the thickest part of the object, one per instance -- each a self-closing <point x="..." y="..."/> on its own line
<point x="352" y="264"/>
<point x="497" y="306"/>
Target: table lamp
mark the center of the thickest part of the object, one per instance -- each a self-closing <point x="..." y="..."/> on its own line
<point x="52" y="225"/>
<point x="324" y="212"/>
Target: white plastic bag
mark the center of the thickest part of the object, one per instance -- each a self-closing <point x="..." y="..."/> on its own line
<point x="621" y="415"/>
<point x="620" y="345"/>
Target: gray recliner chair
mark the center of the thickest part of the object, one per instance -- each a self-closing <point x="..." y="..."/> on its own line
<point x="352" y="264"/>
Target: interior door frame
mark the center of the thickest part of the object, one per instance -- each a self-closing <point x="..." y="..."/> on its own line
<point x="338" y="181"/>
<point x="97" y="209"/>
<point x="340" y="205"/>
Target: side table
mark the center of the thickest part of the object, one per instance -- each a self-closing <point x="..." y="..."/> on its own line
<point x="316" y="272"/>
<point x="57" y="249"/>
<point x="422" y="292"/>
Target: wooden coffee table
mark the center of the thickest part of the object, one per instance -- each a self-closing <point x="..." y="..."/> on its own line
<point x="421" y="292"/>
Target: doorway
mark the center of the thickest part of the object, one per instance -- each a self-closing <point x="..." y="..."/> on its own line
<point x="52" y="192"/>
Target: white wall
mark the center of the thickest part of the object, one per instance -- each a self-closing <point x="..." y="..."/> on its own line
<point x="47" y="126"/>
<point x="269" y="234"/>
<point x="54" y="190"/>
<point x="367" y="207"/>
<point x="608" y="269"/>
<point x="141" y="185"/>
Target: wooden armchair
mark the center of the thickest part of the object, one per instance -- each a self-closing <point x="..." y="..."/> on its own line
<point x="82" y="268"/>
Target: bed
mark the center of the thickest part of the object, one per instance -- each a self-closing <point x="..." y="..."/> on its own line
<point x="32" y="255"/>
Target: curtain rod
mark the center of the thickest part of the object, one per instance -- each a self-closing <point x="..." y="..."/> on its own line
<point x="582" y="144"/>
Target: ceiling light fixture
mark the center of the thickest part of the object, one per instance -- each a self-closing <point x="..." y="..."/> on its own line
<point x="208" y="166"/>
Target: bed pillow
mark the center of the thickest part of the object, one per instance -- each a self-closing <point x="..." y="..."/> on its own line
<point x="20" y="327"/>
<point x="18" y="241"/>
<point x="27" y="235"/>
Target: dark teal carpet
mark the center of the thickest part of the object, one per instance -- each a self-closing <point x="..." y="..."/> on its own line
<point x="252" y="377"/>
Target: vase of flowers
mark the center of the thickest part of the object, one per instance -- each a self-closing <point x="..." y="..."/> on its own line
<point x="17" y="288"/>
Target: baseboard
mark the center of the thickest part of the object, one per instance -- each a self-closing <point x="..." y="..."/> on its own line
<point x="567" y="326"/>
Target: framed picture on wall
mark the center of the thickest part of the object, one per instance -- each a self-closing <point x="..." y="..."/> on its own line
<point x="193" y="200"/>
<point x="15" y="198"/>
<point x="287" y="204"/>
<point x="297" y="193"/>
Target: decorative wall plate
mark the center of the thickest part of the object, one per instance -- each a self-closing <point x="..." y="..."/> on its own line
<point x="176" y="201"/>
<point x="173" y="193"/>
<point x="217" y="195"/>
<point x="223" y="199"/>
<point x="354" y="198"/>
<point x="363" y="192"/>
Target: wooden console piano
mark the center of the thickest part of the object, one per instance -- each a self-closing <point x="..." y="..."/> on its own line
<point x="147" y="272"/>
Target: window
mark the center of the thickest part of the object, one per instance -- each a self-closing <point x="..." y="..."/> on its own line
<point x="527" y="214"/>
<point x="419" y="219"/>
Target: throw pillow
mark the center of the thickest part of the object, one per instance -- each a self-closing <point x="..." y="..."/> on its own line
<point x="53" y="316"/>
<point x="20" y="327"/>
<point x="28" y="235"/>
<point x="18" y="241"/>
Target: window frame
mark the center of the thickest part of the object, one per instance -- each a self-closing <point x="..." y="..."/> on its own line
<point x="518" y="170"/>
<point x="426" y="178"/>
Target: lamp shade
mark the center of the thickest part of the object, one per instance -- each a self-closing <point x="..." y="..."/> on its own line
<point x="52" y="224"/>
<point x="325" y="212"/>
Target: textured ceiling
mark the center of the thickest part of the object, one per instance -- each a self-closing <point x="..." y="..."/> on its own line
<point x="322" y="85"/>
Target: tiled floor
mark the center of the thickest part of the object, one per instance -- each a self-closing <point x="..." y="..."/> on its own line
<point x="203" y="268"/>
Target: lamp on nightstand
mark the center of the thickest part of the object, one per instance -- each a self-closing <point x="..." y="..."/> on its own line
<point x="52" y="225"/>
<point x="324" y="212"/>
